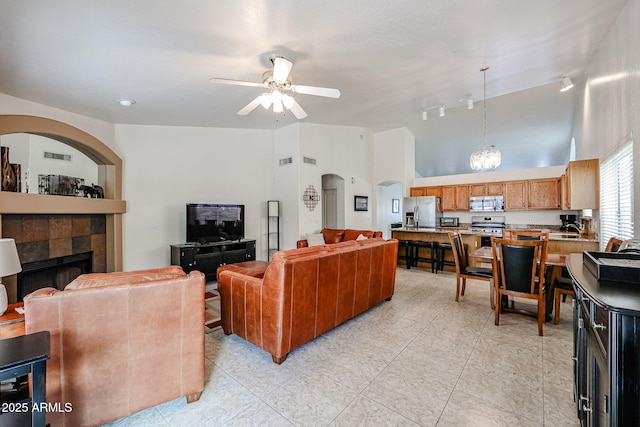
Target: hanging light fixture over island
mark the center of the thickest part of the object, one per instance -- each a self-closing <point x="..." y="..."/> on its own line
<point x="485" y="159"/>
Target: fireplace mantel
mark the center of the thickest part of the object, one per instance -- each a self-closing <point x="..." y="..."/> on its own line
<point x="109" y="172"/>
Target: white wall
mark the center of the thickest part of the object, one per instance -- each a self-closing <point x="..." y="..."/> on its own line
<point x="344" y="151"/>
<point x="166" y="167"/>
<point x="610" y="110"/>
<point x="385" y="216"/>
<point x="287" y="186"/>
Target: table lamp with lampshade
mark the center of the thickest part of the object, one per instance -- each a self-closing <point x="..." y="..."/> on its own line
<point x="9" y="264"/>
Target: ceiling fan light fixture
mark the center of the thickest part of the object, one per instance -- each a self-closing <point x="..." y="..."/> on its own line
<point x="287" y="100"/>
<point x="277" y="106"/>
<point x="565" y="84"/>
<point x="265" y="100"/>
<point x="485" y="159"/>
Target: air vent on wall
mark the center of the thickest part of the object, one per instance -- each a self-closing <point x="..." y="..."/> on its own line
<point x="309" y="160"/>
<point x="57" y="156"/>
<point x="286" y="161"/>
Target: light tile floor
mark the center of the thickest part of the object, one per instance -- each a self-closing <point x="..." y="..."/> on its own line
<point x="419" y="360"/>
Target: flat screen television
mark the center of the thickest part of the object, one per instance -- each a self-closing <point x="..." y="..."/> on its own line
<point x="214" y="222"/>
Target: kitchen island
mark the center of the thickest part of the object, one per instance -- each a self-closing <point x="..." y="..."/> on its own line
<point x="561" y="243"/>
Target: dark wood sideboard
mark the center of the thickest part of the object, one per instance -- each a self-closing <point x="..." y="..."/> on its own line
<point x="606" y="325"/>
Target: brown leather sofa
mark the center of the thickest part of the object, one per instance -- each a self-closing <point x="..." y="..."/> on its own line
<point x="332" y="235"/>
<point x="121" y="342"/>
<point x="307" y="291"/>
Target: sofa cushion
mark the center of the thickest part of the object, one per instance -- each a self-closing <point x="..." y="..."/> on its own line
<point x="353" y="234"/>
<point x="315" y="239"/>
<point x="333" y="236"/>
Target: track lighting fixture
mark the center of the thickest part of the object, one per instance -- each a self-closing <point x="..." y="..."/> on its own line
<point x="565" y="84"/>
<point x="442" y="108"/>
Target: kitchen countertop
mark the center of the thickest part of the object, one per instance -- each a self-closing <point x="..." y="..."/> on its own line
<point x="445" y="230"/>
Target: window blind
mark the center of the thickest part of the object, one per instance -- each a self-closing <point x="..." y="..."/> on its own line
<point x="616" y="195"/>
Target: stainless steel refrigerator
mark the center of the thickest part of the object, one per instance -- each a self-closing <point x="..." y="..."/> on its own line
<point x="421" y="212"/>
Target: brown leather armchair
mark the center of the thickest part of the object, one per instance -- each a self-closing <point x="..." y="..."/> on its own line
<point x="121" y="342"/>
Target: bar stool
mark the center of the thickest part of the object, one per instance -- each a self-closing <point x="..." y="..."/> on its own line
<point x="441" y="258"/>
<point x="407" y="255"/>
<point x="432" y="259"/>
<point x="562" y="286"/>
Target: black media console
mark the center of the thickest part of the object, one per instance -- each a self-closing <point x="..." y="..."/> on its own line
<point x="207" y="257"/>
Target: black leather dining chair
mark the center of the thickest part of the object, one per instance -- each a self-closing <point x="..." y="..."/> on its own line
<point x="518" y="268"/>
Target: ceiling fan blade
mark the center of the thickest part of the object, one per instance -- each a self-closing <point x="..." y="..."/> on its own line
<point x="236" y="82"/>
<point x="297" y="110"/>
<point x="314" y="90"/>
<point x="281" y="69"/>
<point x="250" y="106"/>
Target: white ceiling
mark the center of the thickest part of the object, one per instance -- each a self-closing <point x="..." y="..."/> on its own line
<point x="390" y="60"/>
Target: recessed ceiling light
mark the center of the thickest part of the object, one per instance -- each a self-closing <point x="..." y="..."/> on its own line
<point x="126" y="102"/>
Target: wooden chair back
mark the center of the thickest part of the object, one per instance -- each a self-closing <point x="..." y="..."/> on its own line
<point x="529" y="235"/>
<point x="613" y="245"/>
<point x="459" y="254"/>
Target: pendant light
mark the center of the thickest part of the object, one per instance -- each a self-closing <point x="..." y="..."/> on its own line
<point x="485" y="159"/>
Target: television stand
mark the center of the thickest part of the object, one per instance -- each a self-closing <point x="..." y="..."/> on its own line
<point x="207" y="257"/>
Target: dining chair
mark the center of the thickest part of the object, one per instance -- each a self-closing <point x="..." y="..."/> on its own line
<point x="563" y="286"/>
<point x="529" y="235"/>
<point x="518" y="268"/>
<point x="613" y="245"/>
<point x="464" y="271"/>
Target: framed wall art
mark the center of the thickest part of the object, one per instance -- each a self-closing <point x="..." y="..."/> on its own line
<point x="360" y="203"/>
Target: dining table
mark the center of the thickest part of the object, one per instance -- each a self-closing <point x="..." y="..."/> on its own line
<point x="554" y="263"/>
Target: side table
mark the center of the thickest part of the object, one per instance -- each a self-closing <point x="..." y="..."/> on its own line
<point x="22" y="355"/>
<point x="12" y="322"/>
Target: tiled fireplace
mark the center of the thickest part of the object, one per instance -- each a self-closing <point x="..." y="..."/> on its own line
<point x="54" y="249"/>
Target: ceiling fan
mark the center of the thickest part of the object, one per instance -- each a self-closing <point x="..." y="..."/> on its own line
<point x="277" y="82"/>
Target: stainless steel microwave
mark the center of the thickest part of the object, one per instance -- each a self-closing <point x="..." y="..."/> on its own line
<point x="486" y="203"/>
<point x="449" y="221"/>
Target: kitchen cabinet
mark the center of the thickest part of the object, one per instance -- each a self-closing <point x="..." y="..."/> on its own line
<point x="455" y="198"/>
<point x="606" y="343"/>
<point x="417" y="191"/>
<point x="582" y="185"/>
<point x="515" y="195"/>
<point x="462" y="197"/>
<point x="433" y="191"/>
<point x="448" y="198"/>
<point x="487" y="189"/>
<point x="544" y="193"/>
<point x="494" y="188"/>
<point x="477" y="190"/>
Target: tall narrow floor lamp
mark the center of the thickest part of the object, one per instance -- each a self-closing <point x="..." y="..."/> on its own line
<point x="9" y="264"/>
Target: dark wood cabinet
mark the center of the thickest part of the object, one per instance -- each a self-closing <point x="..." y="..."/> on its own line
<point x="606" y="349"/>
<point x="208" y="257"/>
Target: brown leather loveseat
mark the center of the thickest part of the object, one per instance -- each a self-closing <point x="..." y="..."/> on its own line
<point x="332" y="235"/>
<point x="121" y="342"/>
<point x="307" y="291"/>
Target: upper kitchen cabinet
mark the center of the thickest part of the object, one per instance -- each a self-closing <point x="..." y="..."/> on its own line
<point x="487" y="189"/>
<point x="417" y="191"/>
<point x="455" y="197"/>
<point x="515" y="195"/>
<point x="433" y="191"/>
<point x="425" y="191"/>
<point x="544" y="193"/>
<point x="582" y="185"/>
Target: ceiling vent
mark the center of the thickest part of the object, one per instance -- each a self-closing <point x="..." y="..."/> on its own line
<point x="286" y="161"/>
<point x="57" y="156"/>
<point x="309" y="160"/>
